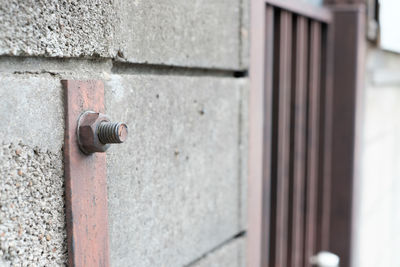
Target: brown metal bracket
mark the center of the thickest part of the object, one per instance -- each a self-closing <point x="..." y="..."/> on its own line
<point x="85" y="181"/>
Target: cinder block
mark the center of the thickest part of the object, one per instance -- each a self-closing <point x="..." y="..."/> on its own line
<point x="57" y="28"/>
<point x="231" y="254"/>
<point x="174" y="185"/>
<point x="202" y="34"/>
<point x="245" y="34"/>
<point x="244" y="148"/>
<point x="32" y="224"/>
<point x="31" y="110"/>
<point x="179" y="32"/>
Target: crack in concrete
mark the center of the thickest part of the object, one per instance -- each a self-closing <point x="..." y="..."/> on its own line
<point x="216" y="248"/>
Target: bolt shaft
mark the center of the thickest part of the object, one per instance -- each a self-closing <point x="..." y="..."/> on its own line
<point x="112" y="132"/>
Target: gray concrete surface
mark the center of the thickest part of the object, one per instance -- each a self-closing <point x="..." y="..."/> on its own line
<point x="173" y="32"/>
<point x="31" y="185"/>
<point x="231" y="254"/>
<point x="182" y="194"/>
<point x="244" y="36"/>
<point x="174" y="187"/>
<point x="177" y="188"/>
<point x="65" y="68"/>
<point x="57" y="28"/>
<point x="243" y="148"/>
<point x="179" y="32"/>
<point x="32" y="231"/>
<point x="32" y="110"/>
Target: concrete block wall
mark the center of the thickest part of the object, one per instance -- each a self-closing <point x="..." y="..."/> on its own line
<point x="176" y="189"/>
<point x="175" y="185"/>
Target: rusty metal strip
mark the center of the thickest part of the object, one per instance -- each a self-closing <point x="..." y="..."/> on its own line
<point x="313" y="141"/>
<point x="85" y="181"/>
<point x="299" y="111"/>
<point x="283" y="138"/>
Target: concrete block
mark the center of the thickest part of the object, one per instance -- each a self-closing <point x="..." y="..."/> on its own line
<point x="245" y="35"/>
<point x="244" y="149"/>
<point x="231" y="254"/>
<point x="32" y="110"/>
<point x="175" y="32"/>
<point x="32" y="222"/>
<point x="179" y="32"/>
<point x="174" y="185"/>
<point x="65" y="68"/>
<point x="57" y="28"/>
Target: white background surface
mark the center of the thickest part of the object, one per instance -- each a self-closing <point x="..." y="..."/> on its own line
<point x="389" y="24"/>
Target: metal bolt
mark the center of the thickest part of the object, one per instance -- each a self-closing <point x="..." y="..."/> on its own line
<point x="96" y="132"/>
<point x="112" y="132"/>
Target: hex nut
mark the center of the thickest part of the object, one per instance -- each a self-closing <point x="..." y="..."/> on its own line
<point x="88" y="139"/>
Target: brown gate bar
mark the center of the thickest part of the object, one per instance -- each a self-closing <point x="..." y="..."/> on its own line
<point x="287" y="132"/>
<point x="299" y="114"/>
<point x="349" y="47"/>
<point x="281" y="139"/>
<point x="313" y="141"/>
<point x="85" y="181"/>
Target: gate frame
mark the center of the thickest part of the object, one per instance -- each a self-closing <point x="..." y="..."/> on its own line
<point x="342" y="122"/>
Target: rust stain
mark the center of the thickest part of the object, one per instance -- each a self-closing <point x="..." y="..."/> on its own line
<point x="85" y="181"/>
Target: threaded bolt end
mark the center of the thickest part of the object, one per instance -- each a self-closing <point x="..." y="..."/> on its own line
<point x="112" y="132"/>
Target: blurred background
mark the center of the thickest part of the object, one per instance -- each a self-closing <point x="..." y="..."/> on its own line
<point x="378" y="217"/>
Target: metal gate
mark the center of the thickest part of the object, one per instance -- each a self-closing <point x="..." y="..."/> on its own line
<point x="288" y="100"/>
<point x="305" y="81"/>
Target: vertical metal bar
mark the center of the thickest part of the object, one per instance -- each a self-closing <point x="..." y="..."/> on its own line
<point x="313" y="141"/>
<point x="85" y="181"/>
<point x="257" y="218"/>
<point x="349" y="45"/>
<point x="283" y="152"/>
<point x="299" y="112"/>
<point x="276" y="166"/>
<point x="268" y="103"/>
<point x="325" y="134"/>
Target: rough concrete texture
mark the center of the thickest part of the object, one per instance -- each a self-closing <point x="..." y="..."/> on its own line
<point x="245" y="34"/>
<point x="231" y="254"/>
<point x="201" y="33"/>
<point x="32" y="220"/>
<point x="173" y="187"/>
<point x="65" y="68"/>
<point x="57" y="28"/>
<point x="31" y="185"/>
<point x="244" y="147"/>
<point x="32" y="110"/>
